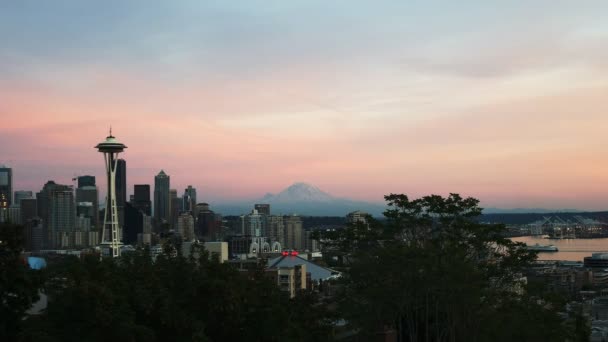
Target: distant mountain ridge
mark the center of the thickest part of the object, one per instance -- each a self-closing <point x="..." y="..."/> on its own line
<point x="303" y="199"/>
<point x="299" y="192"/>
<point x="308" y="200"/>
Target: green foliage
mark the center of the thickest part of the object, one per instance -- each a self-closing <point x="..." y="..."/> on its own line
<point x="18" y="284"/>
<point x="433" y="273"/>
<point x="174" y="298"/>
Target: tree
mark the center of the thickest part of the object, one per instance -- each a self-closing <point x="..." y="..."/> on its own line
<point x="174" y="298"/>
<point x="434" y="273"/>
<point x="18" y="283"/>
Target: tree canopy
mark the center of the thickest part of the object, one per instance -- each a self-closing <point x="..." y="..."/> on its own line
<point x="432" y="272"/>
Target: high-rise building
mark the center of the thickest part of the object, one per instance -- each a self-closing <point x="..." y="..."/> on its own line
<point x="208" y="224"/>
<point x="21" y="194"/>
<point x="141" y="198"/>
<point x="252" y="224"/>
<point x="263" y="209"/>
<point x="189" y="199"/>
<point x="86" y="181"/>
<point x="89" y="194"/>
<point x="134" y="224"/>
<point x="121" y="183"/>
<point x="162" y="203"/>
<point x="185" y="226"/>
<point x="33" y="235"/>
<point x="14" y="214"/>
<point x="6" y="191"/>
<point x="310" y="244"/>
<point x="44" y="204"/>
<point x="146" y="237"/>
<point x="110" y="149"/>
<point x="293" y="233"/>
<point x="62" y="215"/>
<point x="29" y="210"/>
<point x="175" y="207"/>
<point x="275" y="229"/>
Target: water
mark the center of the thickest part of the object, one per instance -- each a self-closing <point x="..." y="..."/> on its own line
<point x="569" y="249"/>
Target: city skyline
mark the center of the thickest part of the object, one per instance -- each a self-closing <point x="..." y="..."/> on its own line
<point x="369" y="100"/>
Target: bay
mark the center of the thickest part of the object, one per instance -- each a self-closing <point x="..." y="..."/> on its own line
<point x="568" y="249"/>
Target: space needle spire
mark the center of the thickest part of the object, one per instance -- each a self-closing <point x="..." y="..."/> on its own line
<point x="110" y="237"/>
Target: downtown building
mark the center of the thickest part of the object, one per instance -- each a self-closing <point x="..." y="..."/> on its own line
<point x="162" y="204"/>
<point x="141" y="198"/>
<point x="189" y="200"/>
<point x="208" y="223"/>
<point x="6" y="191"/>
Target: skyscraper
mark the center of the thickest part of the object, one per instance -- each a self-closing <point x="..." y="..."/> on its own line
<point x="19" y="195"/>
<point x="121" y="183"/>
<point x="87" y="192"/>
<point x="161" y="198"/>
<point x="29" y="210"/>
<point x="86" y="181"/>
<point x="141" y="198"/>
<point x="293" y="233"/>
<point x="252" y="224"/>
<point x="62" y="215"/>
<point x="208" y="224"/>
<point x="110" y="149"/>
<point x="6" y="191"/>
<point x="276" y="229"/>
<point x="189" y="199"/>
<point x="185" y="226"/>
<point x="134" y="224"/>
<point x="175" y="207"/>
<point x="44" y="205"/>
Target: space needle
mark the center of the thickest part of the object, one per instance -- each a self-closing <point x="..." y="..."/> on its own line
<point x="110" y="149"/>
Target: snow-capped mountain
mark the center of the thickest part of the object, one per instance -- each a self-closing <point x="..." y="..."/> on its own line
<point x="299" y="192"/>
<point x="307" y="199"/>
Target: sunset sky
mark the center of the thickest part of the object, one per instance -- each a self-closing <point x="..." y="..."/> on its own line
<point x="506" y="101"/>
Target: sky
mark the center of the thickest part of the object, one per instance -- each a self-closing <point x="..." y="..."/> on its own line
<point x="506" y="101"/>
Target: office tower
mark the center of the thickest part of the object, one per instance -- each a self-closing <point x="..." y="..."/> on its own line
<point x="6" y="191"/>
<point x="87" y="193"/>
<point x="275" y="229"/>
<point x="208" y="224"/>
<point x="189" y="199"/>
<point x="263" y="209"/>
<point x="146" y="237"/>
<point x="175" y="205"/>
<point x="19" y="195"/>
<point x="134" y="224"/>
<point x="310" y="244"/>
<point x="110" y="149"/>
<point x="6" y="187"/>
<point x="44" y="206"/>
<point x="141" y="198"/>
<point x="252" y="224"/>
<point x="86" y="181"/>
<point x="33" y="234"/>
<point x="29" y="209"/>
<point x="14" y="214"/>
<point x="121" y="183"/>
<point x="185" y="226"/>
<point x="62" y="214"/>
<point x="161" y="198"/>
<point x="85" y="214"/>
<point x="293" y="232"/>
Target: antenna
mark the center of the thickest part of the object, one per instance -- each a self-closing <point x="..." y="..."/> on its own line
<point x="110" y="130"/>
